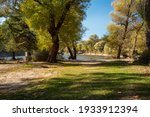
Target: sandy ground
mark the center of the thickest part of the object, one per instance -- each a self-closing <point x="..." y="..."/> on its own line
<point x="14" y="75"/>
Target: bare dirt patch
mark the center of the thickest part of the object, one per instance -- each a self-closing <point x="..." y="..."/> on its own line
<point x="15" y="75"/>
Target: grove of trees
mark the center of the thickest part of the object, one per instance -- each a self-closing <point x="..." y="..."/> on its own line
<point x="128" y="35"/>
<point x="56" y="25"/>
<point x="46" y="24"/>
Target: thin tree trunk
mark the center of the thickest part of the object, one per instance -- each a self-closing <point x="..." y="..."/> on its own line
<point x="74" y="52"/>
<point x="148" y="37"/>
<point x="13" y="55"/>
<point x="134" y="47"/>
<point x="52" y="58"/>
<point x="70" y="52"/>
<point x="126" y="25"/>
<point x="119" y="52"/>
<point x="135" y="40"/>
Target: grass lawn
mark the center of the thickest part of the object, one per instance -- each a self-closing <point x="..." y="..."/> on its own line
<point x="86" y="80"/>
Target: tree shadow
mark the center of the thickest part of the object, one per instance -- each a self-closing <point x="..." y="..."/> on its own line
<point x="94" y="86"/>
<point x="96" y="63"/>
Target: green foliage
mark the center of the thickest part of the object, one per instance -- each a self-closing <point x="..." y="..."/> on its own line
<point x="93" y="45"/>
<point x="15" y="31"/>
<point x="38" y="16"/>
<point x="61" y="19"/>
<point x="114" y="38"/>
<point x="17" y="36"/>
<point x="11" y="46"/>
<point x="126" y="34"/>
<point x="9" y="43"/>
<point x="1" y="39"/>
<point x="81" y="47"/>
<point x="93" y="39"/>
<point x="44" y="41"/>
<point x="99" y="46"/>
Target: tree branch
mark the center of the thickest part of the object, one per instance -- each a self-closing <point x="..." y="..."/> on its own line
<point x="39" y="2"/>
<point x="64" y="13"/>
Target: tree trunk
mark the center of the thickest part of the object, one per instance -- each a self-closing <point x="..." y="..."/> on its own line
<point x="73" y="55"/>
<point x="119" y="52"/>
<point x="74" y="52"/>
<point x="135" y="40"/>
<point x="70" y="52"/>
<point x="145" y="57"/>
<point x="148" y="37"/>
<point x="134" y="46"/>
<point x="52" y="58"/>
<point x="13" y="56"/>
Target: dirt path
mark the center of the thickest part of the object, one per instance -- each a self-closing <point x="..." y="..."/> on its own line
<point x="14" y="75"/>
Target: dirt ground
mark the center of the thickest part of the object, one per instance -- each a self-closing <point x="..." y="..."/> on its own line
<point x="13" y="74"/>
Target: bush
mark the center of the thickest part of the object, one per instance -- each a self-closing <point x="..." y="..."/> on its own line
<point x="40" y="55"/>
<point x="145" y="57"/>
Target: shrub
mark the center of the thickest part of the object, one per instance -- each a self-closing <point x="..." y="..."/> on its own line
<point x="40" y="55"/>
<point x="145" y="57"/>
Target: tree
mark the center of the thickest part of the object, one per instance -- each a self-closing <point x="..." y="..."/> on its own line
<point x="71" y="32"/>
<point x="114" y="40"/>
<point x="99" y="46"/>
<point x="8" y="43"/>
<point x="81" y="47"/>
<point x="18" y="35"/>
<point x="1" y="39"/>
<point x="124" y="10"/>
<point x="135" y="40"/>
<point x="137" y="28"/>
<point x="93" y="39"/>
<point x="143" y="9"/>
<point x="51" y="15"/>
<point x="147" y="22"/>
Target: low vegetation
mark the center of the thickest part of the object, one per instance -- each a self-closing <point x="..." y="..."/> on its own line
<point x="82" y="80"/>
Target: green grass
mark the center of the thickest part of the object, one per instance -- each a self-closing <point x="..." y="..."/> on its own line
<point x="111" y="80"/>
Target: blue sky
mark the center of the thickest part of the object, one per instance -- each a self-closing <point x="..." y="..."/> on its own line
<point x="98" y="17"/>
<point x="1" y="20"/>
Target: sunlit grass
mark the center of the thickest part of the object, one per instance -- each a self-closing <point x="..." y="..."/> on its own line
<point x="113" y="80"/>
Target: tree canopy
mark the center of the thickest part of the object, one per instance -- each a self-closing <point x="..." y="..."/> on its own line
<point x="54" y="16"/>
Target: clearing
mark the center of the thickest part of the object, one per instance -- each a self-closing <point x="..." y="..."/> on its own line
<point x="75" y="80"/>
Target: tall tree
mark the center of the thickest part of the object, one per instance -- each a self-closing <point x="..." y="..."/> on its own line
<point x="16" y="26"/>
<point x="143" y="9"/>
<point x="51" y="15"/>
<point x="147" y="21"/>
<point x="137" y="28"/>
<point x="93" y="39"/>
<point x="114" y="40"/>
<point x="101" y="44"/>
<point x="123" y="12"/>
<point x="71" y="32"/>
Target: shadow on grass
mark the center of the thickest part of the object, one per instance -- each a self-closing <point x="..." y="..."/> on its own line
<point x="97" y="86"/>
<point x="96" y="64"/>
<point x="93" y="85"/>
